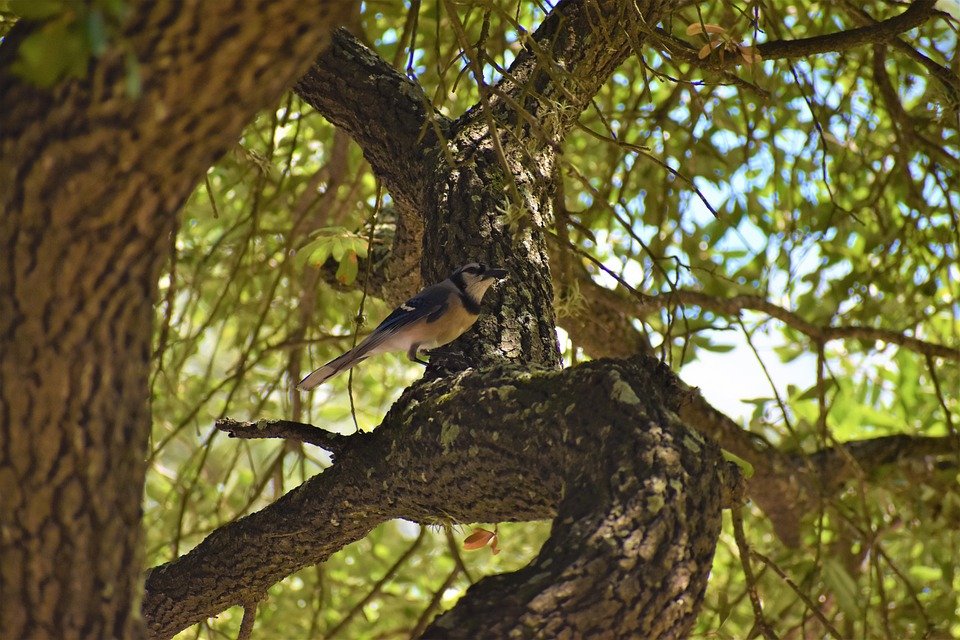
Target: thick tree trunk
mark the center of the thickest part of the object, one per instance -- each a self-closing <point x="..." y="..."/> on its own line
<point x="90" y="182"/>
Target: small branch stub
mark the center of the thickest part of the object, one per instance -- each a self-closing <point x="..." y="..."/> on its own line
<point x="287" y="430"/>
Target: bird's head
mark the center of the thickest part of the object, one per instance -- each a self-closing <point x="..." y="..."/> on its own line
<point x="474" y="278"/>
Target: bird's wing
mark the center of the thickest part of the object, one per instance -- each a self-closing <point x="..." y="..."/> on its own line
<point x="427" y="306"/>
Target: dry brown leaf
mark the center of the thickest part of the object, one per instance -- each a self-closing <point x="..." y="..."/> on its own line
<point x="478" y="539"/>
<point x="696" y="28"/>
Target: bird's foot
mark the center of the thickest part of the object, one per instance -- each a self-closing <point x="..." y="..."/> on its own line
<point x="448" y="361"/>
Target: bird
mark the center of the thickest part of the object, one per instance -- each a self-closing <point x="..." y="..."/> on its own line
<point x="436" y="316"/>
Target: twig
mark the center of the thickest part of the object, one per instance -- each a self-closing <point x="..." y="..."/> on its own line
<point x="814" y="609"/>
<point x="454" y="547"/>
<point x="363" y="299"/>
<point x="759" y="620"/>
<point x="434" y="604"/>
<point x="379" y="585"/>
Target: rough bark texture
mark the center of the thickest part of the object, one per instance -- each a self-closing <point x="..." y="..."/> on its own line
<point x="468" y="206"/>
<point x="346" y="84"/>
<point x="90" y="181"/>
<point x="635" y="532"/>
<point x="637" y="497"/>
<point x="494" y="182"/>
<point x="641" y="512"/>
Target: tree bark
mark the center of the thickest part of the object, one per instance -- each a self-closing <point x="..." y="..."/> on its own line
<point x="636" y="496"/>
<point x="92" y="179"/>
<point x="468" y="213"/>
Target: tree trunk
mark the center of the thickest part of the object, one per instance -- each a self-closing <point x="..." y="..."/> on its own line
<point x="90" y="183"/>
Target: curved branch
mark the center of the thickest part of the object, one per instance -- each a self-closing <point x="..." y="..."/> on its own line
<point x="631" y="308"/>
<point x="601" y="560"/>
<point x="782" y="486"/>
<point x="844" y="461"/>
<point x="607" y="441"/>
<point x="736" y="304"/>
<point x="385" y="112"/>
<point x="916" y="14"/>
<point x="949" y="80"/>
<point x="391" y="119"/>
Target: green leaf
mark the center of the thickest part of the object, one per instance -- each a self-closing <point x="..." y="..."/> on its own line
<point x="37" y="9"/>
<point x="707" y="345"/>
<point x="347" y="271"/>
<point x="843" y="587"/>
<point x="54" y="51"/>
<point x="925" y="574"/>
<point x="745" y="466"/>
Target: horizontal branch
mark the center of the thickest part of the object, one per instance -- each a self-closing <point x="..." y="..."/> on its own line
<point x="642" y="305"/>
<point x="287" y="430"/>
<point x="590" y="463"/>
<point x="842" y="462"/>
<point x="916" y="14"/>
<point x="819" y="334"/>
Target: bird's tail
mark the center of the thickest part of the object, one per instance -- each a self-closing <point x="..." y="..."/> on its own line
<point x="335" y="367"/>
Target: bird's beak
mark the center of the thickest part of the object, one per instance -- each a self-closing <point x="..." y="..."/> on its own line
<point x="495" y="273"/>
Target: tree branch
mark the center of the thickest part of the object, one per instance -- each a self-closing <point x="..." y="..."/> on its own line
<point x="386" y="113"/>
<point x="391" y="119"/>
<point x="916" y="14"/>
<point x="871" y="455"/>
<point x="627" y="307"/>
<point x="949" y="80"/>
<point x="606" y="441"/>
<point x="819" y="334"/>
<point x="332" y="442"/>
<point x="783" y="486"/>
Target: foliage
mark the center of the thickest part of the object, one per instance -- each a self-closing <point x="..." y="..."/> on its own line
<point x="65" y="35"/>
<point x="826" y="185"/>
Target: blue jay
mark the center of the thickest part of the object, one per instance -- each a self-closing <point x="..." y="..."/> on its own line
<point x="436" y="316"/>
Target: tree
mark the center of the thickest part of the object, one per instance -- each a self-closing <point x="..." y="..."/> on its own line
<point x="848" y="179"/>
<point x="92" y="180"/>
